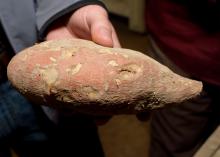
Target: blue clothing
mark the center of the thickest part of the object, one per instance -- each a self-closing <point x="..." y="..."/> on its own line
<point x="12" y="115"/>
<point x="25" y="20"/>
<point x="27" y="130"/>
<point x="18" y="123"/>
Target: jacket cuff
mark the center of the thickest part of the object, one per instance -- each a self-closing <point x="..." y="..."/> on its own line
<point x="43" y="26"/>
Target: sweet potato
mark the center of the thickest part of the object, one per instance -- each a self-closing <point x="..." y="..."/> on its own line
<point x="86" y="77"/>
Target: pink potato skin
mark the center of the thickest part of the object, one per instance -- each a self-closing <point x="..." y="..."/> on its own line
<point x="80" y="75"/>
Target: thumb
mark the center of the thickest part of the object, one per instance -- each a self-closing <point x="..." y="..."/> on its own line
<point x="101" y="32"/>
<point x="101" y="29"/>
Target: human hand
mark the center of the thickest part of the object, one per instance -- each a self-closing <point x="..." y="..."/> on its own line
<point x="89" y="22"/>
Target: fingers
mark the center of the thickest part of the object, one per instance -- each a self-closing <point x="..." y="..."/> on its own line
<point x="91" y="22"/>
<point x="59" y="33"/>
<point x="102" y="34"/>
<point x="102" y="31"/>
<point x="99" y="25"/>
<point x="115" y="39"/>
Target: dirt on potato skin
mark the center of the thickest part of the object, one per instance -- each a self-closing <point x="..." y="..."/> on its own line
<point x="79" y="74"/>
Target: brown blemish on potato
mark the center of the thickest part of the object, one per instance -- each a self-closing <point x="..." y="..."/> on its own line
<point x="124" y="55"/>
<point x="74" y="69"/>
<point x="64" y="97"/>
<point x="68" y="52"/>
<point x="53" y="90"/>
<point x="113" y="63"/>
<point x="118" y="82"/>
<point x="24" y="57"/>
<point x="53" y="59"/>
<point x="151" y="101"/>
<point x="106" y="87"/>
<point x="49" y="75"/>
<point x="47" y="46"/>
<point x="67" y="98"/>
<point x="129" y="72"/>
<point x="125" y="75"/>
<point x="92" y="93"/>
<point x="105" y="51"/>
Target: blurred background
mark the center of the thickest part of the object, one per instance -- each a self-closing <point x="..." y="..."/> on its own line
<point x="124" y="135"/>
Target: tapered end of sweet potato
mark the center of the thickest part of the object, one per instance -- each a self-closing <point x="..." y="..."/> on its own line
<point x="83" y="76"/>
